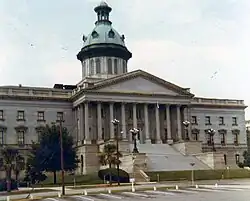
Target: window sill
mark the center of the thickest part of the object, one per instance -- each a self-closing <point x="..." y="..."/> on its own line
<point x="20" y="120"/>
<point x="208" y="124"/>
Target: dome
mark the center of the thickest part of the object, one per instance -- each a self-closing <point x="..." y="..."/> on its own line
<point x="104" y="40"/>
<point x="104" y="34"/>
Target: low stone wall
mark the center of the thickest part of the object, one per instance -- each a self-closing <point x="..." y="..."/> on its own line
<point x="187" y="148"/>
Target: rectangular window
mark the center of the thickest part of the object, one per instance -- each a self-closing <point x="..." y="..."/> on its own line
<point x="103" y="134"/>
<point x="20" y="138"/>
<point x="223" y="140"/>
<point x="194" y="120"/>
<point x="209" y="139"/>
<point x="40" y="116"/>
<point x="20" y="115"/>
<point x="234" y="123"/>
<point x="130" y="113"/>
<point x="59" y="116"/>
<point x="237" y="158"/>
<point x="225" y="159"/>
<point x="1" y="114"/>
<point x="236" y="139"/>
<point x="1" y="137"/>
<point x="138" y="114"/>
<point x="102" y="113"/>
<point x="207" y="120"/>
<point x="195" y="136"/>
<point x="221" y="121"/>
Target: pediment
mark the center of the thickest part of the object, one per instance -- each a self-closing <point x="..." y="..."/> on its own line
<point x="140" y="82"/>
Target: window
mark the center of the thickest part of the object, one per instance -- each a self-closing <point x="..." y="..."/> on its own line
<point x="92" y="67"/>
<point x="20" y="115"/>
<point x="39" y="133"/>
<point x="20" y="137"/>
<point x="221" y="121"/>
<point x="109" y="66"/>
<point x="225" y="159"/>
<point x="237" y="158"/>
<point x="234" y="119"/>
<point x="103" y="134"/>
<point x="236" y="139"/>
<point x="111" y="34"/>
<point x="207" y="120"/>
<point x="138" y="114"/>
<point x="59" y="116"/>
<point x="115" y="66"/>
<point x="194" y="120"/>
<point x="98" y="65"/>
<point x="40" y="116"/>
<point x="130" y="113"/>
<point x="166" y="133"/>
<point x="1" y="114"/>
<point x="94" y="34"/>
<point x="222" y="138"/>
<point x="195" y="136"/>
<point x="1" y="137"/>
<point x="83" y="68"/>
<point x="209" y="139"/>
<point x="124" y="67"/>
<point x="102" y="113"/>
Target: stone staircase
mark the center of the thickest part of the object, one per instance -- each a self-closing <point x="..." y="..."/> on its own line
<point x="163" y="157"/>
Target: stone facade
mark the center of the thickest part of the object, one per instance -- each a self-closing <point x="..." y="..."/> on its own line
<point x="137" y="99"/>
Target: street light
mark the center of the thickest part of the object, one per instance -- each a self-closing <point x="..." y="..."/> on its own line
<point x="186" y="124"/>
<point x="211" y="132"/>
<point x="116" y="122"/>
<point x="192" y="173"/>
<point x="134" y="132"/>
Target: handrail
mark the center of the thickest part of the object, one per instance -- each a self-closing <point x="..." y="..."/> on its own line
<point x="144" y="175"/>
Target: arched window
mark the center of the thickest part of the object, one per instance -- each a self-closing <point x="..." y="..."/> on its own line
<point x="115" y="66"/>
<point x="109" y="66"/>
<point x="124" y="67"/>
<point x="91" y="67"/>
<point x="98" y="65"/>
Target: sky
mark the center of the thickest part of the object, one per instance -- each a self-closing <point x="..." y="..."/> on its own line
<point x="199" y="44"/>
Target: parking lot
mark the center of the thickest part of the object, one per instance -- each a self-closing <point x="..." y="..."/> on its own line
<point x="236" y="193"/>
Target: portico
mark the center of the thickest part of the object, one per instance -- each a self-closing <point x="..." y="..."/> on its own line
<point x="157" y="115"/>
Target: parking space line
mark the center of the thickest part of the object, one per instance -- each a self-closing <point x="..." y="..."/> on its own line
<point x="52" y="199"/>
<point x="206" y="190"/>
<point x="161" y="192"/>
<point x="183" y="191"/>
<point x="136" y="194"/>
<point x="83" y="198"/>
<point x="110" y="196"/>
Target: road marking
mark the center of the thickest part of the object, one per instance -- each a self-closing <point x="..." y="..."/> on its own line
<point x="53" y="199"/>
<point x="205" y="189"/>
<point x="183" y="191"/>
<point x="110" y="196"/>
<point x="161" y="192"/>
<point x="229" y="189"/>
<point x="83" y="198"/>
<point x="136" y="194"/>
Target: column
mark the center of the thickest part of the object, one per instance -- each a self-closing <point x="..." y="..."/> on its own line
<point x="178" y="111"/>
<point x="86" y="118"/>
<point x="99" y="122"/>
<point x="190" y="125"/>
<point x="157" y="124"/>
<point x="134" y="116"/>
<point x="168" y="123"/>
<point x="124" y="135"/>
<point x="148" y="140"/>
<point x="81" y="118"/>
<point x="111" y="117"/>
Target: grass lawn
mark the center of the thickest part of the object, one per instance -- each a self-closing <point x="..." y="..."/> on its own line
<point x="17" y="192"/>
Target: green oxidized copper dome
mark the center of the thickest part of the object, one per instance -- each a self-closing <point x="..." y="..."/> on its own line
<point x="104" y="40"/>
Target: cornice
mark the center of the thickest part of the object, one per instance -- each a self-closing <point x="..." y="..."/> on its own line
<point x="217" y="106"/>
<point x="31" y="98"/>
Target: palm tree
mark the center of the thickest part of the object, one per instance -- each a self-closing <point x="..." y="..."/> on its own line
<point x="109" y="157"/>
<point x="11" y="161"/>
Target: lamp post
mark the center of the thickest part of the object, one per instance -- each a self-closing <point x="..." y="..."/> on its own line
<point x="192" y="173"/>
<point x="61" y="153"/>
<point x="186" y="124"/>
<point x="211" y="132"/>
<point x="134" y="132"/>
<point x="116" y="122"/>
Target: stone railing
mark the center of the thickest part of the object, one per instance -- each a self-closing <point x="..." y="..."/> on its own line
<point x="217" y="101"/>
<point x="34" y="92"/>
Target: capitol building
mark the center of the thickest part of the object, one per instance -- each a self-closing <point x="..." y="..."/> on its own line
<point x="177" y="129"/>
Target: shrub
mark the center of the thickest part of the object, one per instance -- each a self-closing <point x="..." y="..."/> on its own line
<point x="3" y="185"/>
<point x="112" y="173"/>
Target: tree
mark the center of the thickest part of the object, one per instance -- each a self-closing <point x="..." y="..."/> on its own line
<point x="34" y="172"/>
<point x="246" y="161"/>
<point x="48" y="150"/>
<point x="11" y="161"/>
<point x="109" y="156"/>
